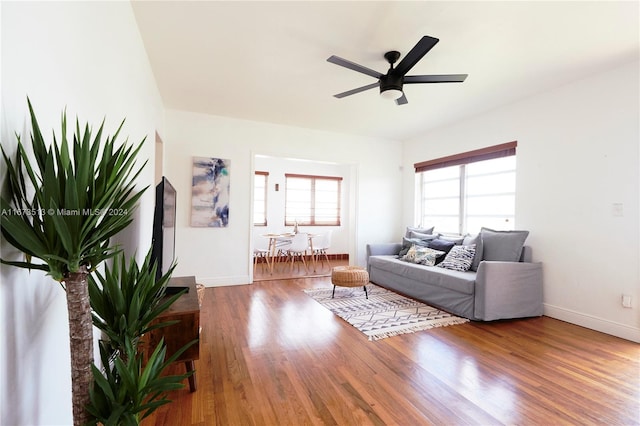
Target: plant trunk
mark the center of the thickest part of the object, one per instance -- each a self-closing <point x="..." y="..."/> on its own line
<point x="81" y="342"/>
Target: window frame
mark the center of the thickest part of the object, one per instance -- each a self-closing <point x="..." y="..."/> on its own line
<point x="312" y="212"/>
<point x="266" y="187"/>
<point x="461" y="160"/>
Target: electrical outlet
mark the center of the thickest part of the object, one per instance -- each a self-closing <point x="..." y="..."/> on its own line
<point x="617" y="209"/>
<point x="626" y="300"/>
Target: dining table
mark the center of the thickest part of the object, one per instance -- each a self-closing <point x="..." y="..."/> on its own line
<point x="280" y="240"/>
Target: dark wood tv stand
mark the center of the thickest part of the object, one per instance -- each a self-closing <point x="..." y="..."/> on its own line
<point x="186" y="310"/>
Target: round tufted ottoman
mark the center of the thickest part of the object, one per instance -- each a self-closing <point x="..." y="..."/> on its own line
<point x="349" y="276"/>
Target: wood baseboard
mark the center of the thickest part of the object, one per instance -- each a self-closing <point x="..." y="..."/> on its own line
<point x="340" y="256"/>
<point x="332" y="256"/>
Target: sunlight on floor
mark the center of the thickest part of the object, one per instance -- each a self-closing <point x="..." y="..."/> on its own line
<point x="294" y="320"/>
<point x="469" y="377"/>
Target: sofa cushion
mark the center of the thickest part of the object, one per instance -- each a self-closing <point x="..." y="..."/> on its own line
<point x="441" y="245"/>
<point x="462" y="282"/>
<point x="420" y="230"/>
<point x="457" y="239"/>
<point x="504" y="246"/>
<point x="421" y="236"/>
<point x="459" y="258"/>
<point x="408" y="242"/>
<point x="422" y="255"/>
<point x="477" y="240"/>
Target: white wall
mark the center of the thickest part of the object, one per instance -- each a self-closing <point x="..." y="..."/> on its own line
<point x="222" y="256"/>
<point x="577" y="155"/>
<point x="89" y="58"/>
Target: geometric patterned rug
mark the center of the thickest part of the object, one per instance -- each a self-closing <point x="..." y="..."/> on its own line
<point x="384" y="314"/>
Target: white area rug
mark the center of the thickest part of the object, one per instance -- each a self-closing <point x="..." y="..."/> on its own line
<point x="385" y="313"/>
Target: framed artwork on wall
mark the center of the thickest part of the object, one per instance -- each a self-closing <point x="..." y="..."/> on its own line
<point x="210" y="192"/>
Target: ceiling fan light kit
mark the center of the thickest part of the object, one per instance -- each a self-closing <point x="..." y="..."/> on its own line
<point x="392" y="94"/>
<point x="392" y="82"/>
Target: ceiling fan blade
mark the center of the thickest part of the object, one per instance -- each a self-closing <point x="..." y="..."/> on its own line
<point x="443" y="78"/>
<point x="402" y="100"/>
<point x="353" y="66"/>
<point x="419" y="50"/>
<point x="358" y="90"/>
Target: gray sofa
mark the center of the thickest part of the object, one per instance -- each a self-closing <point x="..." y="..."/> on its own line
<point x="496" y="290"/>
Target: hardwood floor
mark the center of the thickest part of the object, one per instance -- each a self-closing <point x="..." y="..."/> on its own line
<point x="270" y="355"/>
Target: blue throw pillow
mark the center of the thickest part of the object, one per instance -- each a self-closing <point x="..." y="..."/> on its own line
<point x="441" y="245"/>
<point x="457" y="239"/>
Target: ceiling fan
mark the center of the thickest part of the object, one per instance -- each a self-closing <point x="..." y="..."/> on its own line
<point x="391" y="83"/>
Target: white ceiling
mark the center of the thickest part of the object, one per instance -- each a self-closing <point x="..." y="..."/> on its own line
<point x="266" y="61"/>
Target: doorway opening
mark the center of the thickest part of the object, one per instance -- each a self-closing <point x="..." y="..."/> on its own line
<point x="269" y="208"/>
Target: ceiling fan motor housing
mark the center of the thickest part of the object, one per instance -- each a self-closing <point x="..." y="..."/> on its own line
<point x="390" y="82"/>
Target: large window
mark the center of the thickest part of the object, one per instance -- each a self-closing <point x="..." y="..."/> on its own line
<point x="312" y="200"/>
<point x="260" y="198"/>
<point x="462" y="193"/>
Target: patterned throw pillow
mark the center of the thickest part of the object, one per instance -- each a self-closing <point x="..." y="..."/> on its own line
<point x="422" y="255"/>
<point x="459" y="258"/>
<point x="408" y="242"/>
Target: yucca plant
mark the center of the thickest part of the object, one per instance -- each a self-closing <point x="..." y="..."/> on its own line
<point x="63" y="209"/>
<point x="126" y="301"/>
<point x="131" y="389"/>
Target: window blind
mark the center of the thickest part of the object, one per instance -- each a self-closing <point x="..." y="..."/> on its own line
<point x="488" y="153"/>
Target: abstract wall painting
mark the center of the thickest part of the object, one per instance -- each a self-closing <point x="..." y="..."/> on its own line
<point x="210" y="193"/>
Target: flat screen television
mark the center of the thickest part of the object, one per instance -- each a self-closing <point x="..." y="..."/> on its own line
<point x="164" y="227"/>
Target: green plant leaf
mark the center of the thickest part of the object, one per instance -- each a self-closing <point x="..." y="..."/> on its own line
<point x="26" y="265"/>
<point x="70" y="177"/>
<point x="126" y="300"/>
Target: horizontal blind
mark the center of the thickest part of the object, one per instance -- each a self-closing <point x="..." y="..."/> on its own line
<point x="488" y="153"/>
<point x="312" y="200"/>
<point x="293" y="175"/>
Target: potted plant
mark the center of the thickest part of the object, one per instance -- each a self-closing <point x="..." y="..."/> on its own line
<point x="126" y="301"/>
<point x="63" y="209"/>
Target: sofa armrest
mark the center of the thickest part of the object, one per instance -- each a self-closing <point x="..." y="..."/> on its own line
<point x="508" y="290"/>
<point x="382" y="249"/>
